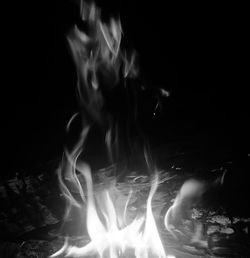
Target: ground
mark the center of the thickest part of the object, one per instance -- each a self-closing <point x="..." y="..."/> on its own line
<point x="216" y="226"/>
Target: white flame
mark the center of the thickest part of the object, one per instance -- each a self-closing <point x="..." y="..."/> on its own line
<point x="110" y="232"/>
<point x="107" y="237"/>
<point x="190" y="191"/>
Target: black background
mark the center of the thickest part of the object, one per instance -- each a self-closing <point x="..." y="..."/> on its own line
<point x="198" y="52"/>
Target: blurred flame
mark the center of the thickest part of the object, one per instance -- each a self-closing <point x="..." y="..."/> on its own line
<point x="111" y="233"/>
<point x="98" y="54"/>
<point x="190" y="191"/>
<point x="100" y="64"/>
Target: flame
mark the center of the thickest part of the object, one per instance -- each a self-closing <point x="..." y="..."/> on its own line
<point x="98" y="55"/>
<point x="110" y="231"/>
<point x="190" y="191"/>
<point x="108" y="238"/>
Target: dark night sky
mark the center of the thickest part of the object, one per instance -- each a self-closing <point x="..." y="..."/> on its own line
<point x="199" y="53"/>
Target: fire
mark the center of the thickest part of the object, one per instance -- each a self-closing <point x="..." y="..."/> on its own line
<point x="110" y="235"/>
<point x="110" y="231"/>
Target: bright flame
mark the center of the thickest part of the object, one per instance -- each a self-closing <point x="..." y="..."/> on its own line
<point x="108" y="238"/>
<point x="111" y="233"/>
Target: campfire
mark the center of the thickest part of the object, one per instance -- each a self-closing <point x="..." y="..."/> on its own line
<point x="112" y="229"/>
<point x="127" y="206"/>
